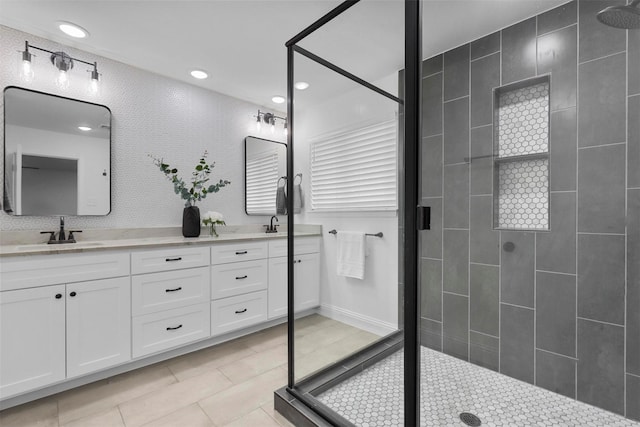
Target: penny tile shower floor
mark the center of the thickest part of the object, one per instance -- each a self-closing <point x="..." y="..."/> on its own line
<point x="450" y="386"/>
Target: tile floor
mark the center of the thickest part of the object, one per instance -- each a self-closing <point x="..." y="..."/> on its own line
<point x="231" y="384"/>
<point x="450" y="386"/>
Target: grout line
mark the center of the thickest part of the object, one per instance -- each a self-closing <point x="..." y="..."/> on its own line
<point x="600" y="321"/>
<point x="431" y="259"/>
<point x="480" y="126"/>
<point x="454" y="229"/>
<point x="556" y="272"/>
<point x="455" y="293"/>
<point x="442" y="210"/>
<point x="626" y="210"/>
<point x="603" y="57"/>
<point x="562" y="191"/>
<point x="483" y="56"/>
<point x="635" y="94"/>
<point x="433" y="74"/>
<point x="486" y="265"/>
<point x="558" y="29"/>
<point x="602" y="145"/>
<point x="468" y="195"/>
<point x="432" y="136"/>
<point x="482" y="333"/>
<point x="455" y="164"/>
<point x="481" y="195"/>
<point x="516" y="305"/>
<point x="601" y="234"/>
<point x="633" y="375"/>
<point x="557" y="354"/>
<point x="121" y="416"/>
<point x="560" y="110"/>
<point x="577" y="153"/>
<point x="454" y="99"/>
<point x="493" y="213"/>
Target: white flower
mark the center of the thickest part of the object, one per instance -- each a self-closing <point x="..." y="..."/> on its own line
<point x="212" y="217"/>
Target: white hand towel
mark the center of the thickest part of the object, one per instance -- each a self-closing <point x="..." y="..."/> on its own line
<point x="351" y="254"/>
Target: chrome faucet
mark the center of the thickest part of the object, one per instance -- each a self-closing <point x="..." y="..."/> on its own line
<point x="271" y="228"/>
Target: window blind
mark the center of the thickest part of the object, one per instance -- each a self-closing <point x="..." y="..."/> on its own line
<point x="355" y="170"/>
<point x="262" y="183"/>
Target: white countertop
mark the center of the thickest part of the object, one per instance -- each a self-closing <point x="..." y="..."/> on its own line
<point x="138" y="243"/>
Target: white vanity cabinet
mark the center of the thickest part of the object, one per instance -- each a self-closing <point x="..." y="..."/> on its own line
<point x="239" y="283"/>
<point x="170" y="306"/>
<point x="32" y="338"/>
<point x="306" y="275"/>
<point x="92" y="314"/>
<point x="57" y="331"/>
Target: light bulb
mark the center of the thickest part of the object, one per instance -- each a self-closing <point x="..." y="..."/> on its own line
<point x="27" y="71"/>
<point x="273" y="127"/>
<point x="94" y="86"/>
<point x="286" y="131"/>
<point x="258" y="125"/>
<point x="62" y="81"/>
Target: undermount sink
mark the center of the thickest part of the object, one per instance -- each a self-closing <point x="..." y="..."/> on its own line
<point x="77" y="245"/>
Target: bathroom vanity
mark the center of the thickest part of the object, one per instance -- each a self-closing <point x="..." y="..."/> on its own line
<point x="71" y="314"/>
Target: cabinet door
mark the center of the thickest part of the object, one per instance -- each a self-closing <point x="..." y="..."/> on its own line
<point x="32" y="339"/>
<point x="307" y="281"/>
<point x="98" y="325"/>
<point x="277" y="287"/>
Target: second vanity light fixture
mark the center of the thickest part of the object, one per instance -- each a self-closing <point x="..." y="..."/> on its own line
<point x="270" y="120"/>
<point x="63" y="62"/>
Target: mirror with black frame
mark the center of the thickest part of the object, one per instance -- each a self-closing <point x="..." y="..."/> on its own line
<point x="57" y="155"/>
<point x="265" y="167"/>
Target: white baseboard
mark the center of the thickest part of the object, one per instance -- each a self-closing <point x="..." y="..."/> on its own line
<point x="369" y="324"/>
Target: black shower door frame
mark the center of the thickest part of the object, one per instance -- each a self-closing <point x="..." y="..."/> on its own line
<point x="409" y="240"/>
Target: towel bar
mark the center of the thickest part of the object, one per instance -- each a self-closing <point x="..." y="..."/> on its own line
<point x="378" y="234"/>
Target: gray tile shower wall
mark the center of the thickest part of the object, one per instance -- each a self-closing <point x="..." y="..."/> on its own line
<point x="558" y="308"/>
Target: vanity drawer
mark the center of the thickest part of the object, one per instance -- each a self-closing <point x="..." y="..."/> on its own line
<point x="238" y="312"/>
<point x="233" y="252"/>
<point x="169" y="259"/>
<point x="159" y="331"/>
<point x="302" y="245"/>
<point x="155" y="292"/>
<point x="238" y="278"/>
<point x="42" y="270"/>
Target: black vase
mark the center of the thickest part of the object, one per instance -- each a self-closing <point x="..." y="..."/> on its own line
<point x="191" y="221"/>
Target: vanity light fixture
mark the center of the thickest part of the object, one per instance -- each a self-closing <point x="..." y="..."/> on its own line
<point x="63" y="62"/>
<point x="269" y="119"/>
<point x="278" y="99"/>
<point x="199" y="74"/>
<point x="72" y="30"/>
<point x="84" y="128"/>
<point x="301" y="85"/>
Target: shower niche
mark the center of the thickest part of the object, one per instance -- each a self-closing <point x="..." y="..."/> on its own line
<point x="521" y="155"/>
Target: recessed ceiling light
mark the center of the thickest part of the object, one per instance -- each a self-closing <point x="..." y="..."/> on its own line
<point x="301" y="85"/>
<point x="278" y="99"/>
<point x="73" y="30"/>
<point x="199" y="74"/>
<point x="84" y="128"/>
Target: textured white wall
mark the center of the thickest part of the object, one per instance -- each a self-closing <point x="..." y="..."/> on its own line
<point x="151" y="114"/>
<point x="373" y="300"/>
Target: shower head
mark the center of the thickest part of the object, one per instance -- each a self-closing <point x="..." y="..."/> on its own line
<point x="623" y="17"/>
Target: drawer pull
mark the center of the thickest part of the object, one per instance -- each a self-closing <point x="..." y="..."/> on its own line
<point x="241" y="311"/>
<point x="173" y="259"/>
<point x="174" y="290"/>
<point x="241" y="252"/>
<point x="241" y="277"/>
<point x="169" y="328"/>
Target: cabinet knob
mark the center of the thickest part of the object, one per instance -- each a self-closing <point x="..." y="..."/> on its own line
<point x="73" y="294"/>
<point x="58" y="296"/>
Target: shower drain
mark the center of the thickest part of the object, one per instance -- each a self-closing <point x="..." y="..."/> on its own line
<point x="470" y="419"/>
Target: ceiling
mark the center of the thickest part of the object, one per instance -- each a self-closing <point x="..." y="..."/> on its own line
<point x="240" y="43"/>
